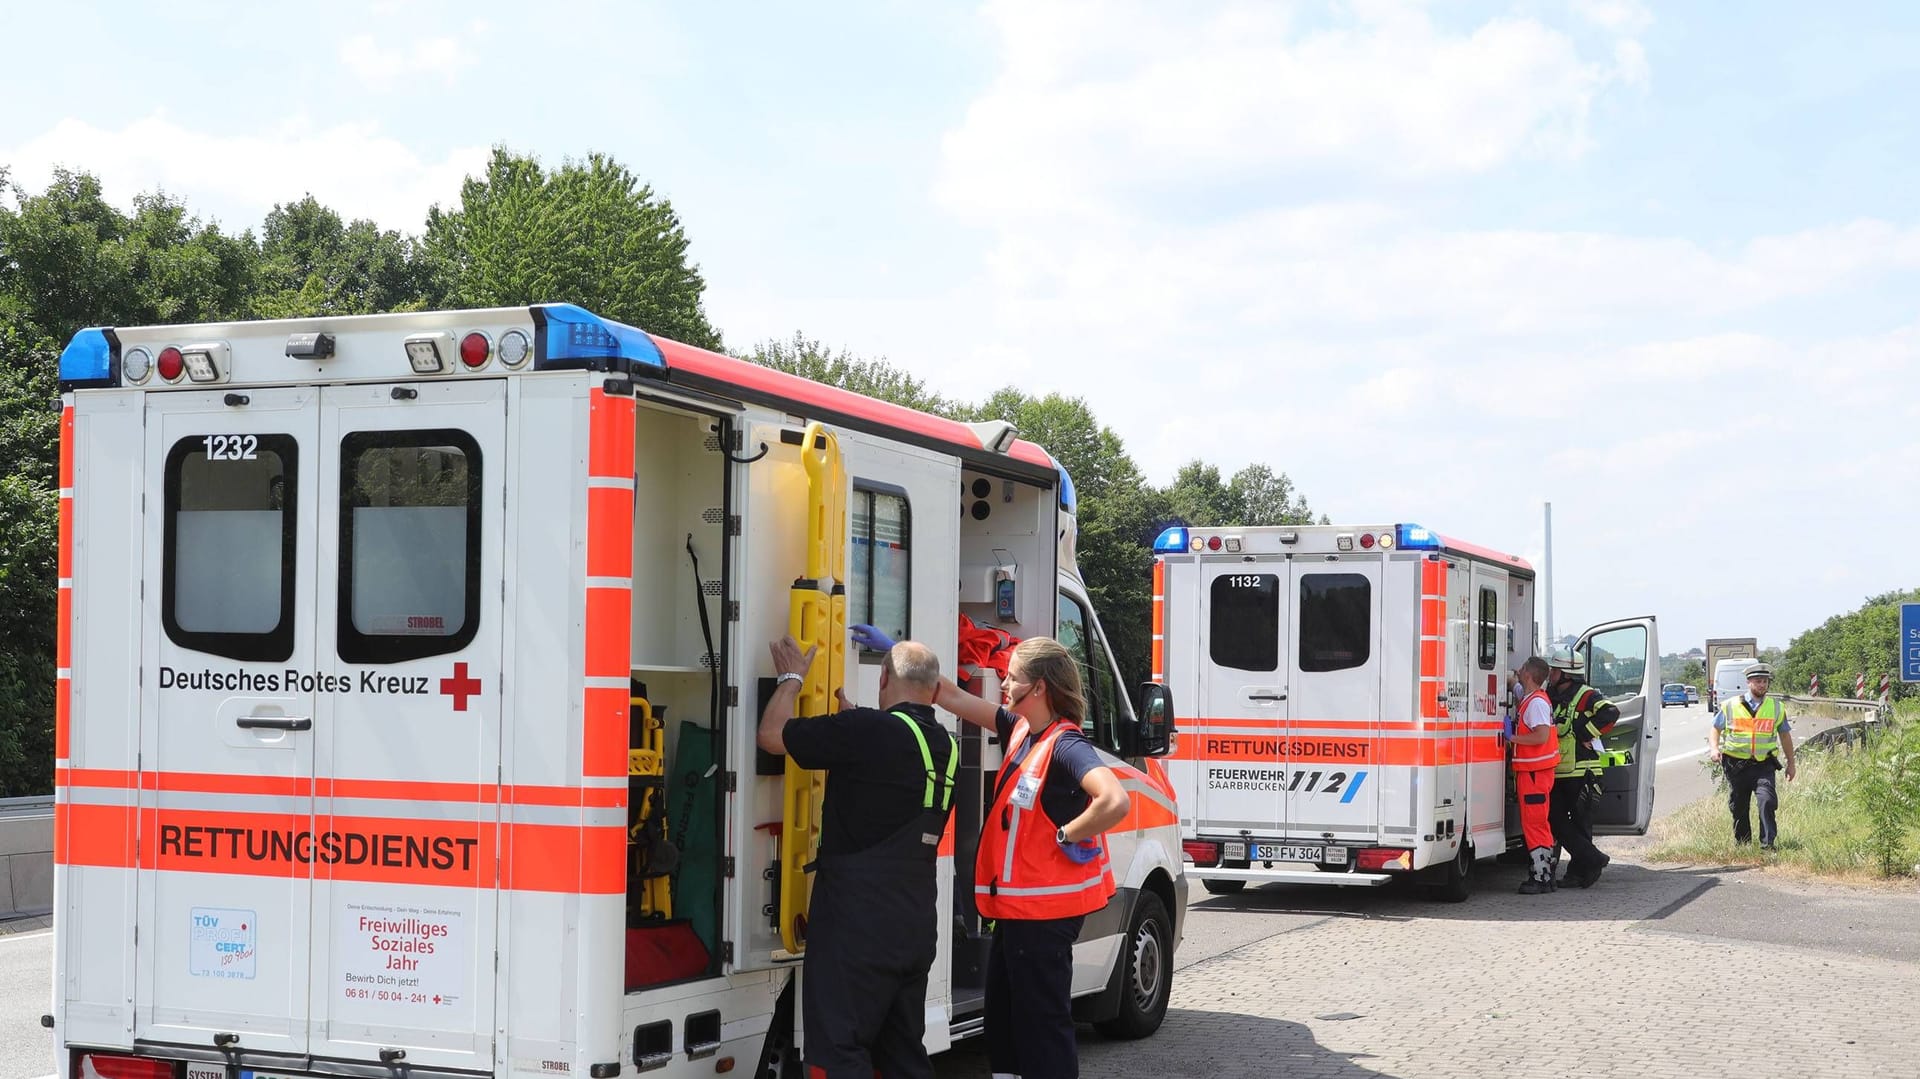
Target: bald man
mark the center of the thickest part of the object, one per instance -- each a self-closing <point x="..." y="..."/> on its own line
<point x="871" y="929"/>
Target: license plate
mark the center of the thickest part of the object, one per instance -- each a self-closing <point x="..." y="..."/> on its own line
<point x="1288" y="852"/>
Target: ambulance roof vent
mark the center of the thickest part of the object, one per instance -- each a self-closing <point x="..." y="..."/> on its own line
<point x="996" y="436"/>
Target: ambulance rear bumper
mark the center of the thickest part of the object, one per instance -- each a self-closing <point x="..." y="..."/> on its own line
<point x="1293" y="876"/>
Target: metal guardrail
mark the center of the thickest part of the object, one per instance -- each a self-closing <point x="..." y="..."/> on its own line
<point x="38" y="805"/>
<point x="1870" y="716"/>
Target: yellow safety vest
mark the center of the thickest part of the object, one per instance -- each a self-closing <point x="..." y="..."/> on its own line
<point x="1565" y="717"/>
<point x="1752" y="735"/>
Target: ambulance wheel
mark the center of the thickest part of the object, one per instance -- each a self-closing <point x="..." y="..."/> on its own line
<point x="1146" y="981"/>
<point x="1455" y="883"/>
<point x="1223" y="887"/>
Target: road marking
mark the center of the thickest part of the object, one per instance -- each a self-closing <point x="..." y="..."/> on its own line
<point x="1684" y="756"/>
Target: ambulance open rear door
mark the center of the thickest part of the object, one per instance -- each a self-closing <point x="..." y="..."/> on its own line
<point x="1623" y="662"/>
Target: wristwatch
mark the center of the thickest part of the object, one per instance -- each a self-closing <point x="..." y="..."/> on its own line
<point x="1060" y="836"/>
<point x="789" y="676"/>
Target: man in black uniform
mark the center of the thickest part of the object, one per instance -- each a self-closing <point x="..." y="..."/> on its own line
<point x="871" y="924"/>
<point x="1581" y="715"/>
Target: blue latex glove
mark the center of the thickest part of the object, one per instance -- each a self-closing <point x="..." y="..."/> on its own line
<point x="1507" y="725"/>
<point x="1082" y="852"/>
<point x="870" y="638"/>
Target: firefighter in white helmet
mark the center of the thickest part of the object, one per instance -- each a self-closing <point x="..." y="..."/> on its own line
<point x="1581" y="714"/>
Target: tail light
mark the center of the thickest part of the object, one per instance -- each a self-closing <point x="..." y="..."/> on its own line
<point x="111" y="1066"/>
<point x="1376" y="859"/>
<point x="475" y="349"/>
<point x="1204" y="853"/>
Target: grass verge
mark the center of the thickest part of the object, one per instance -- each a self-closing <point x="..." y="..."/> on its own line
<point x="1850" y="814"/>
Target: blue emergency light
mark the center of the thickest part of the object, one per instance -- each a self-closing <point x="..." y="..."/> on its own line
<point x="1415" y="538"/>
<point x="88" y="359"/>
<point x="1172" y="540"/>
<point x="1069" y="499"/>
<point x="570" y="336"/>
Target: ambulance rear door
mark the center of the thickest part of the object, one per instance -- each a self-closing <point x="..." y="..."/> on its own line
<point x="412" y="493"/>
<point x="1243" y="714"/>
<point x="226" y="735"/>
<point x="1336" y="742"/>
<point x="1623" y="662"/>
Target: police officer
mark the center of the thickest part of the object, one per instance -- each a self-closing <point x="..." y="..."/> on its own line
<point x="871" y="929"/>
<point x="1580" y="715"/>
<point x="1750" y="737"/>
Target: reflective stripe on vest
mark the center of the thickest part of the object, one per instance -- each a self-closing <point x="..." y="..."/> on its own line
<point x="926" y="757"/>
<point x="1536" y="757"/>
<point x="1752" y="735"/>
<point x="1020" y="870"/>
<point x="1565" y="719"/>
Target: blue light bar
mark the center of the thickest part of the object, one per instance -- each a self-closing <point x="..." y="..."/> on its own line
<point x="567" y="335"/>
<point x="88" y="359"/>
<point x="1069" y="499"/>
<point x="1415" y="538"/>
<point x="1172" y="540"/>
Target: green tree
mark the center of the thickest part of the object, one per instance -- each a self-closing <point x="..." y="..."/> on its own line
<point x="1255" y="496"/>
<point x="587" y="232"/>
<point x="1864" y="641"/>
<point x="808" y="358"/>
<point x="313" y="263"/>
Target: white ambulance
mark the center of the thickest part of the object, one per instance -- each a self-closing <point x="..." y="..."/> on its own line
<point x="1347" y="687"/>
<point x="409" y="667"/>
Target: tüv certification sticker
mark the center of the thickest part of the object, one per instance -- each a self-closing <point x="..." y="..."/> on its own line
<point x="222" y="944"/>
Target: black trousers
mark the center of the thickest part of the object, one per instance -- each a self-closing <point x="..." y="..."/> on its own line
<point x="1030" y="999"/>
<point x="1571" y="814"/>
<point x="1748" y="781"/>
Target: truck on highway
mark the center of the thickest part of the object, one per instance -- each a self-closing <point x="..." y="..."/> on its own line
<point x="1720" y="650"/>
<point x="409" y="668"/>
<point x="1347" y="686"/>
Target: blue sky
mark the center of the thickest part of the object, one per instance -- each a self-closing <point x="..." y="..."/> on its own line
<point x="1438" y="262"/>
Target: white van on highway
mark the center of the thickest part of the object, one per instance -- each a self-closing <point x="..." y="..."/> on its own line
<point x="1730" y="679"/>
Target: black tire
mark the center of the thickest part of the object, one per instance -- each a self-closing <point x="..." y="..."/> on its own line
<point x="1146" y="977"/>
<point x="1223" y="887"/>
<point x="1455" y="882"/>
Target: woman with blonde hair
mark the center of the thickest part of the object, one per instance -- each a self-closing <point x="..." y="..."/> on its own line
<point x="1041" y="867"/>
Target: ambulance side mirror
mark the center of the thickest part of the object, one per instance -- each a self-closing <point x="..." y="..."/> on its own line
<point x="1152" y="735"/>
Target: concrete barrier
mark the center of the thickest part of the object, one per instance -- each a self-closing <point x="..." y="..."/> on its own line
<point x="26" y="856"/>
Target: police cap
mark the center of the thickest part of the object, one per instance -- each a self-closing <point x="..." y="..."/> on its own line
<point x="1759" y="670"/>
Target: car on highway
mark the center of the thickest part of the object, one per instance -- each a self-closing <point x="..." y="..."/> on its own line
<point x="1674" y="693"/>
<point x="1693" y="695"/>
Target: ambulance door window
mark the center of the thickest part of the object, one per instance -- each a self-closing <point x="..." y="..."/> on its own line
<point x="879" y="585"/>
<point x="409" y="544"/>
<point x="1074" y="631"/>
<point x="1243" y="615"/>
<point x="1336" y="621"/>
<point x="228" y="572"/>
<point x="1617" y="662"/>
<point x="1489" y="633"/>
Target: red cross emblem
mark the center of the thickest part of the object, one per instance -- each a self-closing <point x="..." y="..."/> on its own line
<point x="459" y="687"/>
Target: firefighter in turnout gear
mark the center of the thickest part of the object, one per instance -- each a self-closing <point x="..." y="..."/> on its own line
<point x="1581" y="714"/>
<point x="1536" y="752"/>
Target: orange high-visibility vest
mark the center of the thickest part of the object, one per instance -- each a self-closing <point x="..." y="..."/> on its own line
<point x="1020" y="871"/>
<point x="1532" y="758"/>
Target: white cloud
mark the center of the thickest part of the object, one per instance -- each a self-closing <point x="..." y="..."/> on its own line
<point x="382" y="63"/>
<point x="1098" y="103"/>
<point x="355" y="168"/>
<point x="1617" y="16"/>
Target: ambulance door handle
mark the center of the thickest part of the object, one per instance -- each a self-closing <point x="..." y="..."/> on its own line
<point x="275" y="723"/>
<point x="1266" y="696"/>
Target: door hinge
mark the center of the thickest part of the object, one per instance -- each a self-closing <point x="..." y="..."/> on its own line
<point x="733" y="523"/>
<point x="726" y="866"/>
<point x="733" y="785"/>
<point x="726" y="951"/>
<point x="733" y="611"/>
<point x="733" y="696"/>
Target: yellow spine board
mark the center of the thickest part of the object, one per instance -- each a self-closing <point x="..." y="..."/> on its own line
<point x="649" y="759"/>
<point x="815" y="616"/>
